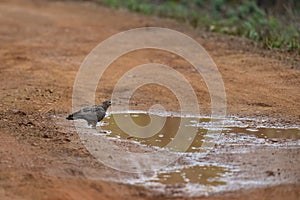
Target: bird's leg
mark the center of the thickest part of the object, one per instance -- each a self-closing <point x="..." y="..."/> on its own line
<point x="94" y="125"/>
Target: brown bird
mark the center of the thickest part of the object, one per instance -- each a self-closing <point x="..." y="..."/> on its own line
<point x="92" y="114"/>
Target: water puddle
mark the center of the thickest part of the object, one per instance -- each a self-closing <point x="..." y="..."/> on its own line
<point x="163" y="137"/>
<point x="240" y="147"/>
<point x="204" y="175"/>
<point x="203" y="127"/>
<point x="199" y="173"/>
<point x="268" y="133"/>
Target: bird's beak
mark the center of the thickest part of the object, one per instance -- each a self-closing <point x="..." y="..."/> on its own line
<point x="113" y="103"/>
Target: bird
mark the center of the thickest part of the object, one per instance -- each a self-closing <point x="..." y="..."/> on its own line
<point x="92" y="114"/>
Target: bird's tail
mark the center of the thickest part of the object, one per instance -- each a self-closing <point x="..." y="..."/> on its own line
<point x="70" y="117"/>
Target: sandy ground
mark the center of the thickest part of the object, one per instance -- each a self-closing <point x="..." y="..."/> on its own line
<point x="42" y="46"/>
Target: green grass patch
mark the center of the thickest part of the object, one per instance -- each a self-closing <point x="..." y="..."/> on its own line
<point x="241" y="18"/>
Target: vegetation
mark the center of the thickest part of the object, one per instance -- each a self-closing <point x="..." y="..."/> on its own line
<point x="272" y="27"/>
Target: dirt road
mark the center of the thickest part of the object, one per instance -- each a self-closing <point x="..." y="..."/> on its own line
<point x="42" y="44"/>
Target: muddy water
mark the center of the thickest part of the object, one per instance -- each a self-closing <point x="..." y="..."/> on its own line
<point x="201" y="126"/>
<point x="204" y="175"/>
<point x="163" y="137"/>
<point x="268" y="133"/>
<point x="207" y="175"/>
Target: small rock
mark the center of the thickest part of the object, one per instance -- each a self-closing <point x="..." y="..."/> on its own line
<point x="46" y="136"/>
<point x="34" y="144"/>
<point x="29" y="123"/>
<point x="270" y="173"/>
<point x="19" y="112"/>
<point x="274" y="140"/>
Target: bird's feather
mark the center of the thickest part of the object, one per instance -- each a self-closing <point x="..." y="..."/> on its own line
<point x="92" y="114"/>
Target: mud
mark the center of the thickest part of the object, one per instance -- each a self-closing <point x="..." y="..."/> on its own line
<point x="43" y="43"/>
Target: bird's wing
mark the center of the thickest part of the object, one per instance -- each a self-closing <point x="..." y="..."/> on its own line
<point x="87" y="113"/>
<point x="90" y="113"/>
<point x="89" y="109"/>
